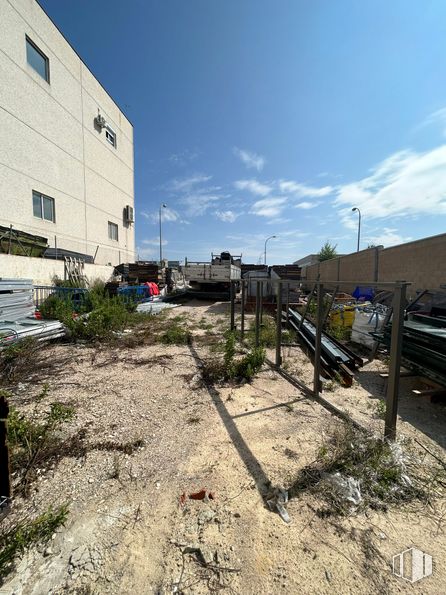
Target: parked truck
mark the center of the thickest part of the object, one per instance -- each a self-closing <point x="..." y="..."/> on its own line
<point x="213" y="279"/>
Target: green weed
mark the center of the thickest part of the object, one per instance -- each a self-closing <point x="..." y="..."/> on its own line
<point x="32" y="441"/>
<point x="18" y="359"/>
<point x="380" y="409"/>
<point x="380" y="467"/>
<point x="175" y="335"/>
<point x="17" y="539"/>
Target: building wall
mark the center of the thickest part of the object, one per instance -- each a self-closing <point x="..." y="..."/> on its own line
<point x="422" y="263"/>
<point x="42" y="270"/>
<point x="49" y="142"/>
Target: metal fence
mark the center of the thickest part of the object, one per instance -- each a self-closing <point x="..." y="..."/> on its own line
<point x="320" y="289"/>
<point x="76" y="296"/>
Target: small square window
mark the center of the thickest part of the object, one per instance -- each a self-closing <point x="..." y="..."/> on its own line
<point x="37" y="60"/>
<point x="43" y="207"/>
<point x="113" y="231"/>
<point x="110" y="135"/>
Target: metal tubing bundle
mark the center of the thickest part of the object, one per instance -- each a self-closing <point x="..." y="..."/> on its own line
<point x="424" y="345"/>
<point x="336" y="359"/>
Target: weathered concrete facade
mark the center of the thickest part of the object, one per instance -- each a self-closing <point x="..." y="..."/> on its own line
<point x="51" y="146"/>
<point x="422" y="263"/>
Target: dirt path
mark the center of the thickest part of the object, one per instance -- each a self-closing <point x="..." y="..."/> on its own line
<point x="127" y="531"/>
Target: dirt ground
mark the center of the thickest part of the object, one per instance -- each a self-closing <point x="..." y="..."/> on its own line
<point x="128" y="532"/>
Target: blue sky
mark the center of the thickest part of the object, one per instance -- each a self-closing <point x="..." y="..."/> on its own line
<point x="255" y="118"/>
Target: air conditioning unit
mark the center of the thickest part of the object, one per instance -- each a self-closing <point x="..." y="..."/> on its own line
<point x="100" y="121"/>
<point x="128" y="213"/>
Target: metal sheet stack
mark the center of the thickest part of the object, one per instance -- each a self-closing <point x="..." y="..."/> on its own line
<point x="16" y="299"/>
<point x="16" y="314"/>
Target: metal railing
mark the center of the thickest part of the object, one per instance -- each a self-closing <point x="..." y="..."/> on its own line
<point x="320" y="288"/>
<point x="76" y="296"/>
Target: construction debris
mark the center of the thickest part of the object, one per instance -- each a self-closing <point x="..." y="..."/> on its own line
<point x="17" y="314"/>
<point x="154" y="307"/>
<point x="276" y="500"/>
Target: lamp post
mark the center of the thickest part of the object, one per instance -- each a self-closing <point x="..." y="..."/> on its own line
<point x="359" y="226"/>
<point x="162" y="206"/>
<point x="270" y="238"/>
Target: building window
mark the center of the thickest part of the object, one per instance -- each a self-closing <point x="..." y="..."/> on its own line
<point x="43" y="207"/>
<point x="113" y="231"/>
<point x="37" y="60"/>
<point x="110" y="135"/>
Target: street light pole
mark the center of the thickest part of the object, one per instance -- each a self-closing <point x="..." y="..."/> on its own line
<point x="270" y="238"/>
<point x="162" y="206"/>
<point x="359" y="226"/>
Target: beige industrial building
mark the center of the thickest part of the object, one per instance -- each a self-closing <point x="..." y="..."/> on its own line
<point x="66" y="149"/>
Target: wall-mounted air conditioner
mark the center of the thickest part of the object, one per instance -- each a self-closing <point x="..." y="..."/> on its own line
<point x="100" y="121"/>
<point x="128" y="214"/>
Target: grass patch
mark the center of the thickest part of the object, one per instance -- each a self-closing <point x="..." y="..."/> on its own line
<point x="232" y="366"/>
<point x="380" y="409"/>
<point x="356" y="470"/>
<point x="18" y="538"/>
<point x="98" y="317"/>
<point x="175" y="334"/>
<point x="339" y="332"/>
<point x="267" y="333"/>
<point x="18" y="359"/>
<point x="32" y="442"/>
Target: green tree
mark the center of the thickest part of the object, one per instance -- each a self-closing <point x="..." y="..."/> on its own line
<point x="327" y="251"/>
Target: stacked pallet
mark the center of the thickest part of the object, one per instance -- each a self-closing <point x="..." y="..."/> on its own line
<point x="140" y="272"/>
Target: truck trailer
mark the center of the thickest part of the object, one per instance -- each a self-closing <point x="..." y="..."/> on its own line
<point x="213" y="279"/>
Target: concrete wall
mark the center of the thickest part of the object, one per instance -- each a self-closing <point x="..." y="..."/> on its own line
<point x="42" y="270"/>
<point x="50" y="144"/>
<point x="423" y="263"/>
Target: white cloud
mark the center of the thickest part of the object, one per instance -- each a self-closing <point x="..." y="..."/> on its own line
<point x="268" y="207"/>
<point x="144" y="253"/>
<point x="198" y="203"/>
<point x="183" y="157"/>
<point x="405" y="184"/>
<point x="253" y="186"/>
<point x="437" y="118"/>
<point x="186" y="184"/>
<point x="250" y="159"/>
<point x="388" y="237"/>
<point x="154" y="242"/>
<point x="307" y="205"/>
<point x="302" y="190"/>
<point x="227" y="216"/>
<point x="167" y="214"/>
<point x="278" y="221"/>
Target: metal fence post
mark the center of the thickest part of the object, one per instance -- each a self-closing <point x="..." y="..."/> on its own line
<point x="232" y="297"/>
<point x="243" y="304"/>
<point x="261" y="302"/>
<point x="257" y="313"/>
<point x="396" y="344"/>
<point x="279" y="325"/>
<point x="317" y="346"/>
<point x="287" y="302"/>
<point x="5" y="471"/>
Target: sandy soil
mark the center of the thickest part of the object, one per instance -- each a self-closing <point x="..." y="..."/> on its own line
<point x="128" y="532"/>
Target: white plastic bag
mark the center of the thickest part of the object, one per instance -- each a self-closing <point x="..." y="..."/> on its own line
<point x="364" y="324"/>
